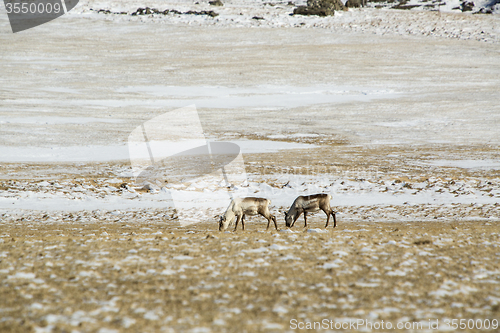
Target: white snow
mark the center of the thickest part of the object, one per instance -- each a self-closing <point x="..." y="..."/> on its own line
<point x="182" y="257"/>
<point x="280" y="309"/>
<point x="442" y="19"/>
<point x="468" y="164"/>
<point x="317" y="230"/>
<point x="451" y="288"/>
<point x="98" y="153"/>
<point x="48" y="120"/>
<point x="278" y="247"/>
<point x="328" y="265"/>
<point x="268" y="96"/>
<point x="396" y="273"/>
<point x="52" y="121"/>
<point x="22" y="275"/>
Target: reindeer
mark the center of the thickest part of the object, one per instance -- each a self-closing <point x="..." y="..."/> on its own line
<point x="239" y="207"/>
<point x="310" y="204"/>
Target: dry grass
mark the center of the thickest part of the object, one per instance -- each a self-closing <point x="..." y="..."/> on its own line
<point x="149" y="277"/>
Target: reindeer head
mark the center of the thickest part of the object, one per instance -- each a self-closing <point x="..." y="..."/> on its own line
<point x="223" y="223"/>
<point x="288" y="220"/>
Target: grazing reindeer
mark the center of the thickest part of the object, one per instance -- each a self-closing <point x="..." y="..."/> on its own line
<point x="239" y="207"/>
<point x="310" y="204"/>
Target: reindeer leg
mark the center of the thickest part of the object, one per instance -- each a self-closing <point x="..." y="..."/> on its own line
<point x="295" y="219"/>
<point x="238" y="217"/>
<point x="305" y="220"/>
<point x="274" y="220"/>
<point x="334" y="220"/>
<point x="267" y="217"/>
<point x="243" y="221"/>
<point x="327" y="219"/>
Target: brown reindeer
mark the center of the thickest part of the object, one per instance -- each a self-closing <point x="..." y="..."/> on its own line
<point x="239" y="207"/>
<point x="310" y="204"/>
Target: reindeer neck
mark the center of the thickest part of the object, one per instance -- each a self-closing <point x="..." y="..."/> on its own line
<point x="229" y="215"/>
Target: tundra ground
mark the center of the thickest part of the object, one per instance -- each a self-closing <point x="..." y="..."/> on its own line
<point x="154" y="276"/>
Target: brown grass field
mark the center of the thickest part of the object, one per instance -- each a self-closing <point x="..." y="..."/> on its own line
<point x="158" y="277"/>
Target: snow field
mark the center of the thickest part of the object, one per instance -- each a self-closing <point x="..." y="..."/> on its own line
<point x="442" y="21"/>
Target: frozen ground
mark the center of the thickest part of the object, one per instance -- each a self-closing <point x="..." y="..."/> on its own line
<point x="394" y="113"/>
<point x="372" y="112"/>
